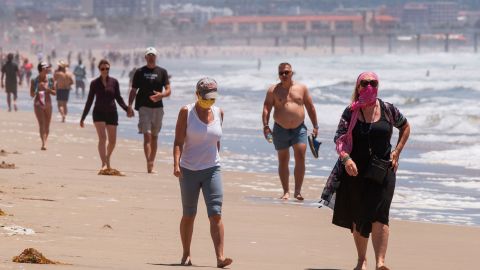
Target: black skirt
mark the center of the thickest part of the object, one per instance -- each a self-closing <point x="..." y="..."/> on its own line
<point x="363" y="202"/>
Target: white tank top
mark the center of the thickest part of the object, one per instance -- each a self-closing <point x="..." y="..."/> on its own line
<point x="200" y="147"/>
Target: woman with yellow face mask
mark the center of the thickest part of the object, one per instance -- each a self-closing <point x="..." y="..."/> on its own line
<point x="197" y="165"/>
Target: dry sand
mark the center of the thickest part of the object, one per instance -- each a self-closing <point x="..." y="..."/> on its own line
<point x="131" y="222"/>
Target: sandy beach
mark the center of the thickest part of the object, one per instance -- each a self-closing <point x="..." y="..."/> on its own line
<point x="131" y="222"/>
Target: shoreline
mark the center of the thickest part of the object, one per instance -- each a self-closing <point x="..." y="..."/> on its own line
<point x="234" y="161"/>
<point x="58" y="194"/>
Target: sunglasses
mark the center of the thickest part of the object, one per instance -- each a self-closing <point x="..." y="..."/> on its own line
<point x="284" y="73"/>
<point x="103" y="69"/>
<point x="365" y="83"/>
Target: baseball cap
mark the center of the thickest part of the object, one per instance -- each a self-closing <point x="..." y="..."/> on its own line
<point x="150" y="50"/>
<point x="43" y="65"/>
<point x="207" y="88"/>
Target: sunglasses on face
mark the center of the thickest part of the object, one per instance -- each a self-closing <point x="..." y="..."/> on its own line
<point x="284" y="73"/>
<point x="103" y="69"/>
<point x="365" y="83"/>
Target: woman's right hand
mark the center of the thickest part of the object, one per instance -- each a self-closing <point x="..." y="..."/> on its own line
<point x="176" y="171"/>
<point x="82" y="125"/>
<point x="351" y="167"/>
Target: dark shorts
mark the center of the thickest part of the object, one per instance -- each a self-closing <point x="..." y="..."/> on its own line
<point x="284" y="138"/>
<point x="63" y="94"/>
<point x="11" y="87"/>
<point x="110" y="118"/>
<point x="80" y="84"/>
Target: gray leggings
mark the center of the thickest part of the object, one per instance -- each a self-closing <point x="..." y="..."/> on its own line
<point x="210" y="181"/>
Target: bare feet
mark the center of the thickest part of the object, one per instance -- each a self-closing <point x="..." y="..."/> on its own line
<point x="43" y="148"/>
<point x="298" y="196"/>
<point x="223" y="263"/>
<point x="285" y="196"/>
<point x="361" y="265"/>
<point x="150" y="167"/>
<point x="15" y="107"/>
<point x="383" y="267"/>
<point x="186" y="261"/>
<point x="63" y="119"/>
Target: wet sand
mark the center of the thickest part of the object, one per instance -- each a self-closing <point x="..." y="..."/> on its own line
<point x="131" y="222"/>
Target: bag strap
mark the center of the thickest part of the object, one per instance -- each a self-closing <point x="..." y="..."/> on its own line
<point x="368" y="133"/>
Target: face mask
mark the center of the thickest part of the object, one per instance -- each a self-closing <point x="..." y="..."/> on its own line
<point x="205" y="103"/>
<point x="368" y="95"/>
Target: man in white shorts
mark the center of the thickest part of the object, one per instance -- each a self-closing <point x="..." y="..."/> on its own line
<point x="150" y="85"/>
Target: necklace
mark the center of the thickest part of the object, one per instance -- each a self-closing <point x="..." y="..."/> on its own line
<point x="366" y="126"/>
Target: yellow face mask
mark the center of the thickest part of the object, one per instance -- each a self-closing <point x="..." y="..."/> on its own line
<point x="205" y="103"/>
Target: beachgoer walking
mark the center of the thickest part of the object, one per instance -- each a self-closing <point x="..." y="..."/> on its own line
<point x="149" y="86"/>
<point x="80" y="73"/>
<point x="105" y="90"/>
<point x="11" y="73"/>
<point x="41" y="88"/>
<point x="63" y="80"/>
<point x="289" y="100"/>
<point x="364" y="175"/>
<point x="197" y="164"/>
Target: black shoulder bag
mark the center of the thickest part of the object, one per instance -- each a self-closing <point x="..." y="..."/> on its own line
<point x="377" y="167"/>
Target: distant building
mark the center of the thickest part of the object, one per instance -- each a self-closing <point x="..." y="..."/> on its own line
<point x="415" y="15"/>
<point x="443" y="13"/>
<point x="434" y="14"/>
<point x="469" y="18"/>
<point x="80" y="28"/>
<point x="127" y="8"/>
<point x="299" y="24"/>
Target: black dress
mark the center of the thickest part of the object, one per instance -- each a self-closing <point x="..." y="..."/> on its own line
<point x="359" y="200"/>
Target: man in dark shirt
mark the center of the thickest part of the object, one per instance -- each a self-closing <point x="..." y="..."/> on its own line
<point x="148" y="91"/>
<point x="11" y="72"/>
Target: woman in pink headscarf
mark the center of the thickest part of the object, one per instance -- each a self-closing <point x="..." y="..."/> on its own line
<point x="362" y="204"/>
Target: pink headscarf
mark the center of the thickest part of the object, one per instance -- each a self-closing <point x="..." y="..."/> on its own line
<point x="344" y="143"/>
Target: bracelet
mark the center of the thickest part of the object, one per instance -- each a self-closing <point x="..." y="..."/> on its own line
<point x="266" y="126"/>
<point x="315" y="126"/>
<point x="345" y="159"/>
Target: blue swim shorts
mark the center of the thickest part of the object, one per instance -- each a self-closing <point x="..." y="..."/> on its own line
<point x="284" y="138"/>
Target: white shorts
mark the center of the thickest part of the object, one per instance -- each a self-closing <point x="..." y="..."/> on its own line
<point x="150" y="120"/>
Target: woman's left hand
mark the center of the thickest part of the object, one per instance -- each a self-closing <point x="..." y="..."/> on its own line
<point x="394" y="155"/>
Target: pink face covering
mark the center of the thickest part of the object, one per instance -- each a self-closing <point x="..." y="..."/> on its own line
<point x="366" y="97"/>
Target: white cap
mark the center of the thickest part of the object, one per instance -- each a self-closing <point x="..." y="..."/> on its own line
<point x="151" y="50"/>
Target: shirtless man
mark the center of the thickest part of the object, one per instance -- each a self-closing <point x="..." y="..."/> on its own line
<point x="64" y="81"/>
<point x="289" y="99"/>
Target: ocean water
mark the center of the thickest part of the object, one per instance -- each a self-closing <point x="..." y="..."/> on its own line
<point x="439" y="174"/>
